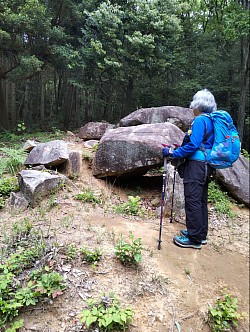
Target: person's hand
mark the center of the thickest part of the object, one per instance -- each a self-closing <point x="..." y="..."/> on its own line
<point x="167" y="153"/>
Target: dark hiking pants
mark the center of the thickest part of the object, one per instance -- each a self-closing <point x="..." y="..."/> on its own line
<point x="196" y="190"/>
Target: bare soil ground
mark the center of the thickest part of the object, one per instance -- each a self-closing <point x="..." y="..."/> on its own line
<point x="170" y="285"/>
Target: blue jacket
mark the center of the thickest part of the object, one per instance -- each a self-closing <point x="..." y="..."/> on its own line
<point x="201" y="126"/>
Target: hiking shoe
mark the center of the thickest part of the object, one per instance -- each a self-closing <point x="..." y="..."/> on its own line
<point x="184" y="242"/>
<point x="184" y="232"/>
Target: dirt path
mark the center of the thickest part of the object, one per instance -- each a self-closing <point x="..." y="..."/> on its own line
<point x="170" y="285"/>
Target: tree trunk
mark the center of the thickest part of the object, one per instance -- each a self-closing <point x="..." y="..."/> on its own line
<point x="13" y="105"/>
<point x="26" y="101"/>
<point x="78" y="107"/>
<point x="4" y="123"/>
<point x="42" y="99"/>
<point x="243" y="86"/>
<point x="128" y="97"/>
<point x="68" y="105"/>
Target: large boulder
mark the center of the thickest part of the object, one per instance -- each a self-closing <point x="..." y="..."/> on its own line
<point x="236" y="180"/>
<point x="36" y="184"/>
<point x="49" y="154"/>
<point x="133" y="150"/>
<point x="94" y="130"/>
<point x="179" y="116"/>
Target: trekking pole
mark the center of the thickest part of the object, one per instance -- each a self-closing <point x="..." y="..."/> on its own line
<point x="162" y="198"/>
<point x="172" y="198"/>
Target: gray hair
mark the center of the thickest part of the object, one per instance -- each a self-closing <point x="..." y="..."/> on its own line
<point x="204" y="101"/>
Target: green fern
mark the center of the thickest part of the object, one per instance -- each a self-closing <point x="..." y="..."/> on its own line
<point x="12" y="160"/>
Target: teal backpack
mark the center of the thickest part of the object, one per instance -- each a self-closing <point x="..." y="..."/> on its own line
<point x="226" y="148"/>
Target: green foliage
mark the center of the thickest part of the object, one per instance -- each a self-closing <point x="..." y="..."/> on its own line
<point x="87" y="156"/>
<point x="23" y="247"/>
<point x="7" y="185"/>
<point x="12" y="160"/>
<point x="16" y="325"/>
<point x="14" y="295"/>
<point x="24" y="257"/>
<point x="88" y="196"/>
<point x="132" y="207"/>
<point x="106" y="315"/>
<point x="2" y="202"/>
<point x="246" y="154"/>
<point x="48" y="284"/>
<point x="219" y="199"/>
<point x="71" y="251"/>
<point x="224" y="316"/>
<point x="95" y="147"/>
<point x="21" y="127"/>
<point x="20" y="231"/>
<point x="129" y="253"/>
<point x="90" y="255"/>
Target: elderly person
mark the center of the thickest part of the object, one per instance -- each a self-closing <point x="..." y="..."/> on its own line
<point x="196" y="171"/>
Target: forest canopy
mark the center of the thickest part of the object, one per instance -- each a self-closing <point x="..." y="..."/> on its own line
<point x="67" y="62"/>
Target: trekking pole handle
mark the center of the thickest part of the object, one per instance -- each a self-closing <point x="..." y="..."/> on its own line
<point x="167" y="146"/>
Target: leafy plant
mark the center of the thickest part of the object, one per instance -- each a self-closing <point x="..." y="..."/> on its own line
<point x="23" y="258"/>
<point x="129" y="253"/>
<point x="21" y="127"/>
<point x="50" y="284"/>
<point x="58" y="132"/>
<point x="106" y="315"/>
<point x="27" y="247"/>
<point x="95" y="147"/>
<point x="71" y="251"/>
<point x="88" y="196"/>
<point x="132" y="207"/>
<point x="14" y="295"/>
<point x="246" y="154"/>
<point x="2" y="202"/>
<point x="12" y="161"/>
<point x="86" y="155"/>
<point x="219" y="199"/>
<point x="15" y="325"/>
<point x="90" y="255"/>
<point x="224" y="316"/>
<point x="7" y="185"/>
<point x="20" y="230"/>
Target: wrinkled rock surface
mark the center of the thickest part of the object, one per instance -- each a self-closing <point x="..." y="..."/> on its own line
<point x="94" y="130"/>
<point x="179" y="116"/>
<point x="72" y="166"/>
<point x="236" y="180"/>
<point x="178" y="208"/>
<point x="133" y="150"/>
<point x="18" y="201"/>
<point x="49" y="154"/>
<point x="36" y="184"/>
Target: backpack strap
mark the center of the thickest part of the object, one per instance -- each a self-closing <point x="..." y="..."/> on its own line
<point x="207" y="135"/>
<point x="205" y="138"/>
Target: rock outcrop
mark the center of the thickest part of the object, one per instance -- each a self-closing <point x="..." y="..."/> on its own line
<point x="94" y="130"/>
<point x="236" y="180"/>
<point x="133" y="150"/>
<point x="48" y="154"/>
<point x="35" y="184"/>
<point x="179" y="116"/>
